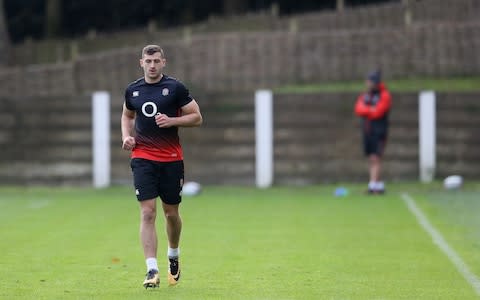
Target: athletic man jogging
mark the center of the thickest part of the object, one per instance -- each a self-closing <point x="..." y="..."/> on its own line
<point x="373" y="107"/>
<point x="156" y="105"/>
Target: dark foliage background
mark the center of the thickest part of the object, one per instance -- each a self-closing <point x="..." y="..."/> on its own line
<point x="28" y="18"/>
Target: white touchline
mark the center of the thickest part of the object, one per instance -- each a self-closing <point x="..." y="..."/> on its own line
<point x="442" y="243"/>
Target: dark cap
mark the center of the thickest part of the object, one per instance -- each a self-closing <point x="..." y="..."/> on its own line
<point x="375" y="77"/>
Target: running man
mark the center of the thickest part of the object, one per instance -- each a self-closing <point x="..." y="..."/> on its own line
<point x="155" y="106"/>
<point x="373" y="107"/>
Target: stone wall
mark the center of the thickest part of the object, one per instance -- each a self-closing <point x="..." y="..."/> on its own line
<point x="394" y="14"/>
<point x="47" y="140"/>
<point x="40" y="81"/>
<point x="51" y="102"/>
<point x="240" y="62"/>
<point x="318" y="139"/>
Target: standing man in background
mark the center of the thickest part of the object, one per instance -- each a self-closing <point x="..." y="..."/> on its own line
<point x="156" y="105"/>
<point x="373" y="107"/>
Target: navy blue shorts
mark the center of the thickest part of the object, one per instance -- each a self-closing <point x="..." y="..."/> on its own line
<point x="154" y="179"/>
<point x="374" y="144"/>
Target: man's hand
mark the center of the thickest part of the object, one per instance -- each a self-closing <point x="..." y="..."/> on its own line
<point x="128" y="143"/>
<point x="164" y="121"/>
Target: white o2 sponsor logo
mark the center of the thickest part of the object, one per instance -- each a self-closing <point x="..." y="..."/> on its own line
<point x="154" y="109"/>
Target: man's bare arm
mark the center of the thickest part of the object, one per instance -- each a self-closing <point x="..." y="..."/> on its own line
<point x="128" y="121"/>
<point x="191" y="117"/>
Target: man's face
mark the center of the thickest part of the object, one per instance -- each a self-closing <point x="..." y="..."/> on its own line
<point x="371" y="86"/>
<point x="152" y="65"/>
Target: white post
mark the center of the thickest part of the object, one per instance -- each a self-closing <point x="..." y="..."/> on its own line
<point x="101" y="139"/>
<point x="264" y="138"/>
<point x="427" y="135"/>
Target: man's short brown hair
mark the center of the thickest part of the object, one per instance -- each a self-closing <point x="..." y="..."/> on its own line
<point x="152" y="49"/>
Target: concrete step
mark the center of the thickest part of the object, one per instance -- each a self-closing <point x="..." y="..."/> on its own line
<point x="234" y="151"/>
<point x="467" y="169"/>
<point x="55" y="103"/>
<point x="39" y="170"/>
<point x="220" y="168"/>
<point x="308" y="172"/>
<point x="218" y="135"/>
<point x="49" y="154"/>
<point x="85" y="181"/>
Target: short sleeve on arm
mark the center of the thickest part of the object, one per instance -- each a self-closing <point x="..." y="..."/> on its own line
<point x="128" y="104"/>
<point x="184" y="96"/>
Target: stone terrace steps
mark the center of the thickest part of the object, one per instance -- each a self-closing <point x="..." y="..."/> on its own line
<point x="223" y="150"/>
<point x="46" y="140"/>
<point x="317" y="139"/>
<point x="458" y="122"/>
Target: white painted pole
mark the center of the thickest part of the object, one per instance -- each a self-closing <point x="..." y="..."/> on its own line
<point x="264" y="138"/>
<point x="101" y="139"/>
<point x="427" y="135"/>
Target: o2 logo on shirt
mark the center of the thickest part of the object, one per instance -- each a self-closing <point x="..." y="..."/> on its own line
<point x="154" y="109"/>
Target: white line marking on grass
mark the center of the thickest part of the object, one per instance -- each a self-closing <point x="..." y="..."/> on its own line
<point x="441" y="243"/>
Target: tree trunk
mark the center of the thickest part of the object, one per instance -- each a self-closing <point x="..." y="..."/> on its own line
<point x="53" y="18"/>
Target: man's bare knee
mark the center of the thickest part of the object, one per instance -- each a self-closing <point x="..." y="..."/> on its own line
<point x="172" y="215"/>
<point x="171" y="212"/>
<point x="148" y="215"/>
<point x="148" y="212"/>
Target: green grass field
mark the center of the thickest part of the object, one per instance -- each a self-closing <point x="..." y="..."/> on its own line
<point x="240" y="243"/>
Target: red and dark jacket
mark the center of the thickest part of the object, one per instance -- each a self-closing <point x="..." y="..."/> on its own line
<point x="373" y="108"/>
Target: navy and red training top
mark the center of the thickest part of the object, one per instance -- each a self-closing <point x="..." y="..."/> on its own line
<point x="166" y="97"/>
